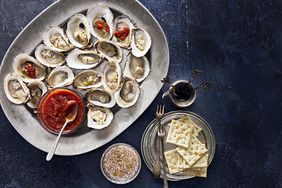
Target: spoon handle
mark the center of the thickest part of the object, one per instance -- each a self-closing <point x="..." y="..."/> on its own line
<point x="207" y="85"/>
<point x="54" y="147"/>
<point x="195" y="73"/>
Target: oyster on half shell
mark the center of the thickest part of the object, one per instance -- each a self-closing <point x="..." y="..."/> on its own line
<point x="78" y="31"/>
<point x="100" y="97"/>
<point x="37" y="90"/>
<point x="87" y="79"/>
<point x="123" y="27"/>
<point x="28" y="68"/>
<point x="83" y="59"/>
<point x="99" y="117"/>
<point x="112" y="77"/>
<point x="56" y="39"/>
<point x="60" y="77"/>
<point x="110" y="50"/>
<point x="141" y="42"/>
<point x="15" y="89"/>
<point x="128" y="94"/>
<point x="48" y="57"/>
<point x="100" y="19"/>
<point x="137" y="68"/>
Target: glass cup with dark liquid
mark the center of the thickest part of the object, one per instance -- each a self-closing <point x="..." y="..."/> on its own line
<point x="182" y="93"/>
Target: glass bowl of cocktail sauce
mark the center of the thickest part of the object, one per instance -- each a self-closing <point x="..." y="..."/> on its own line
<point x="51" y="110"/>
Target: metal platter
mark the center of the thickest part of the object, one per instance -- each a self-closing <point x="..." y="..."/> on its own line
<point x="86" y="139"/>
<point x="148" y="147"/>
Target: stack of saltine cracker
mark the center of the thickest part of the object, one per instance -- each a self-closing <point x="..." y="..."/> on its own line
<point x="191" y="156"/>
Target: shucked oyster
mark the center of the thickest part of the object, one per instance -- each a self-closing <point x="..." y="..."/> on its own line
<point x="28" y="68"/>
<point x="100" y="19"/>
<point x="15" y="89"/>
<point x="60" y="76"/>
<point x="110" y="50"/>
<point x="78" y="31"/>
<point x="99" y="117"/>
<point x="137" y="68"/>
<point x="128" y="94"/>
<point x="141" y="42"/>
<point x="83" y="59"/>
<point x="37" y="90"/>
<point x="48" y="57"/>
<point x="56" y="39"/>
<point x="100" y="97"/>
<point x="87" y="79"/>
<point x="123" y="31"/>
<point x="112" y="77"/>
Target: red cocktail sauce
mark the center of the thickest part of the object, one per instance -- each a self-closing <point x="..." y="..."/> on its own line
<point x="52" y="110"/>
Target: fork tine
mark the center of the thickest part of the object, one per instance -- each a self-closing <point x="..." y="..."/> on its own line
<point x="157" y="111"/>
<point x="163" y="109"/>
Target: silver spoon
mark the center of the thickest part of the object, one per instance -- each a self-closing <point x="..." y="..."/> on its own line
<point x="166" y="80"/>
<point x="69" y="118"/>
<point x="195" y="74"/>
<point x="207" y="85"/>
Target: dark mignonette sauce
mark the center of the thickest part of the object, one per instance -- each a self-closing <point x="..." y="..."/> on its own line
<point x="182" y="91"/>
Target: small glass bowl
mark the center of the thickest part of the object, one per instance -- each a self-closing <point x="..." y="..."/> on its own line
<point x="81" y="111"/>
<point x="130" y="178"/>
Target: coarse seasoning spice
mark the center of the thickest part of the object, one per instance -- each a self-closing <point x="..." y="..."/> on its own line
<point x="121" y="163"/>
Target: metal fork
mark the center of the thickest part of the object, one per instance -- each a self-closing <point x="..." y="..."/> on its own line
<point x="161" y="134"/>
<point x="157" y="166"/>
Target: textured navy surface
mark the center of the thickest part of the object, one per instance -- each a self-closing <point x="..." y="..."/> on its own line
<point x="237" y="45"/>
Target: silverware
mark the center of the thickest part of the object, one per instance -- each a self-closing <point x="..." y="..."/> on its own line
<point x="157" y="166"/>
<point x="207" y="85"/>
<point x="195" y="74"/>
<point x="166" y="80"/>
<point x="69" y="118"/>
<point x="161" y="135"/>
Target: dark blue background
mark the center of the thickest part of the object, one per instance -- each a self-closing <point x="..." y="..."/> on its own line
<point x="238" y="46"/>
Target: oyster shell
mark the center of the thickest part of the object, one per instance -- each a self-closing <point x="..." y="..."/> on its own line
<point x="100" y="97"/>
<point x="83" y="59"/>
<point x="37" y="90"/>
<point x="128" y="94"/>
<point x="141" y="42"/>
<point x="60" y="77"/>
<point x="110" y="50"/>
<point x="123" y="31"/>
<point x="87" y="79"/>
<point x="48" y="57"/>
<point x="99" y="117"/>
<point x="137" y="68"/>
<point x="28" y="68"/>
<point x="78" y="30"/>
<point x="15" y="89"/>
<point x="100" y="19"/>
<point x="112" y="77"/>
<point x="56" y="39"/>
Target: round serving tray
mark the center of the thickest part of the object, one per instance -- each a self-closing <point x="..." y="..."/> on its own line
<point x="148" y="142"/>
<point x="85" y="139"/>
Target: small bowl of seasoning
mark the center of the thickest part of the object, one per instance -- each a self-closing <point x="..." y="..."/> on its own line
<point x="182" y="93"/>
<point x="120" y="163"/>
